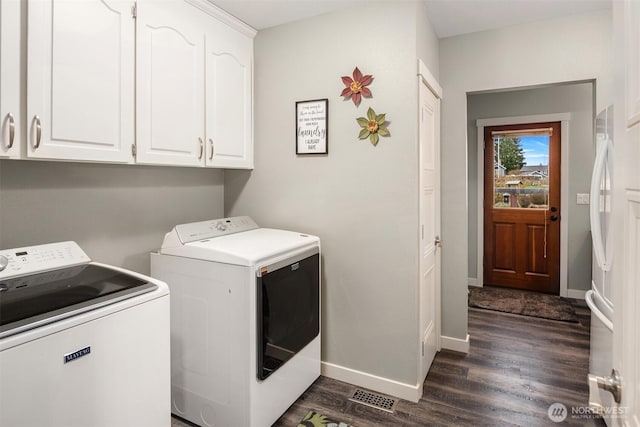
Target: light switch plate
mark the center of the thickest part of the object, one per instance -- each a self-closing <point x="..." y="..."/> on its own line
<point x="582" y="198"/>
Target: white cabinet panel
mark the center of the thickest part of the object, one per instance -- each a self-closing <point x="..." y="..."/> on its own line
<point x="80" y="88"/>
<point x="170" y="85"/>
<point x="229" y="99"/>
<point x="632" y="40"/>
<point x="10" y="101"/>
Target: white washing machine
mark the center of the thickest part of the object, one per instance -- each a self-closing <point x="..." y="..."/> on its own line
<point x="245" y="319"/>
<point x="81" y="343"/>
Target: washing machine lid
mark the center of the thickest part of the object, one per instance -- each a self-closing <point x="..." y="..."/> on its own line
<point x="33" y="300"/>
<point x="247" y="248"/>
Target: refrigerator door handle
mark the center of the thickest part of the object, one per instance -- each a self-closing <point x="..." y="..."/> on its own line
<point x="602" y="160"/>
<point x="595" y="310"/>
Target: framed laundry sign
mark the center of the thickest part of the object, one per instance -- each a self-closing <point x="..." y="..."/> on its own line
<point x="312" y="121"/>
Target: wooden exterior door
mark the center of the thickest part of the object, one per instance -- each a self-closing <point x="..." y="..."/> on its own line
<point x="522" y="207"/>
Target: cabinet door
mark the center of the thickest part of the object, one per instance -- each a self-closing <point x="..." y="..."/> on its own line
<point x="632" y="57"/>
<point x="229" y="98"/>
<point x="10" y="114"/>
<point x="170" y="85"/>
<point x="80" y="93"/>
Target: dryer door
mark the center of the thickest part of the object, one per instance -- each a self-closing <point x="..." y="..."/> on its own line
<point x="288" y="311"/>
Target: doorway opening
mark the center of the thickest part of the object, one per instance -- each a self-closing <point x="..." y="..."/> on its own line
<point x="573" y="105"/>
<point x="522" y="206"/>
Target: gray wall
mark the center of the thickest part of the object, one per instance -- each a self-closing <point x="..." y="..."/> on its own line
<point x="116" y="213"/>
<point x="360" y="199"/>
<point x="568" y="49"/>
<point x="428" y="45"/>
<point x="576" y="99"/>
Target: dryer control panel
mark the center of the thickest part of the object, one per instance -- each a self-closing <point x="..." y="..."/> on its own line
<point x="214" y="228"/>
<point x="35" y="259"/>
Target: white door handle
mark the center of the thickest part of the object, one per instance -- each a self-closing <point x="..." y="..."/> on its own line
<point x="602" y="161"/>
<point x="611" y="383"/>
<point x="588" y="297"/>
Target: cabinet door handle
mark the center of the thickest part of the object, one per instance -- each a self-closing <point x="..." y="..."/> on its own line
<point x="38" y="132"/>
<point x="201" y="148"/>
<point x="211" y="144"/>
<point x="12" y="129"/>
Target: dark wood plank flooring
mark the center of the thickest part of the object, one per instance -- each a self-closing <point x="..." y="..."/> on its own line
<point x="516" y="368"/>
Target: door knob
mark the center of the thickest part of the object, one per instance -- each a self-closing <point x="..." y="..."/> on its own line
<point x="554" y="217"/>
<point x="611" y="383"/>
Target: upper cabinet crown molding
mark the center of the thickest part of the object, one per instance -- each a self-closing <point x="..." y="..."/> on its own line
<point x="224" y="17"/>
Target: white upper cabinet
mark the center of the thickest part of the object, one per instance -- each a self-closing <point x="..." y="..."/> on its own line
<point x="229" y="101"/>
<point x="165" y="82"/>
<point x="170" y="84"/>
<point x="80" y="85"/>
<point x="10" y="101"/>
<point x="194" y="86"/>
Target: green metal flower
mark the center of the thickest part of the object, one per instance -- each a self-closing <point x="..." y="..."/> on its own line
<point x="373" y="126"/>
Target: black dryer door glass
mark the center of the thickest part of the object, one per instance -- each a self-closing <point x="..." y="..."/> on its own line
<point x="288" y="306"/>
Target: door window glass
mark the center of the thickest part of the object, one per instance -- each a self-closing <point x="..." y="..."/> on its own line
<point x="521" y="169"/>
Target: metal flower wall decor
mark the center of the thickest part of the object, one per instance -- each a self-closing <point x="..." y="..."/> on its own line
<point x="356" y="87"/>
<point x="373" y="126"/>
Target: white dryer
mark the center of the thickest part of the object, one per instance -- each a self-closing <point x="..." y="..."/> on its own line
<point x="245" y="319"/>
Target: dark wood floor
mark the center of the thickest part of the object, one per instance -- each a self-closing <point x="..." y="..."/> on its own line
<point x="516" y="368"/>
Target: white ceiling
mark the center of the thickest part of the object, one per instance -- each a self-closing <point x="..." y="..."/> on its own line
<point x="454" y="17"/>
<point x="261" y="14"/>
<point x="449" y="17"/>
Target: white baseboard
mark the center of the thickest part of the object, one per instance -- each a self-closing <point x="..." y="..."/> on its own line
<point x="455" y="344"/>
<point x="472" y="281"/>
<point x="393" y="388"/>
<point x="576" y="294"/>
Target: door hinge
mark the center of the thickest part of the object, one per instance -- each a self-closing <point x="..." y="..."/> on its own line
<point x="134" y="11"/>
<point x="422" y="231"/>
<point x="422" y="348"/>
<point x="134" y="150"/>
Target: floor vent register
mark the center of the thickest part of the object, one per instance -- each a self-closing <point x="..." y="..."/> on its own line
<point x="374" y="400"/>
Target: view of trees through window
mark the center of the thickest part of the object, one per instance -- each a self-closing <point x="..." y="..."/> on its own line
<point x="521" y="171"/>
<point x="509" y="152"/>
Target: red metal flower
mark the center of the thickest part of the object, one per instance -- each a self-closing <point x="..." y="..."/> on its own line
<point x="356" y="87"/>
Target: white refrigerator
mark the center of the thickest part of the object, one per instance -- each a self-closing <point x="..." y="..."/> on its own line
<point x="599" y="298"/>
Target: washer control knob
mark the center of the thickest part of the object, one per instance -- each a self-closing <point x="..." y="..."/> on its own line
<point x="220" y="226"/>
<point x="4" y="261"/>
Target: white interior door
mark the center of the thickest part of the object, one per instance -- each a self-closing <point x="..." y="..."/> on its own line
<point x="626" y="221"/>
<point x="626" y="332"/>
<point x="80" y="95"/>
<point x="429" y="291"/>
